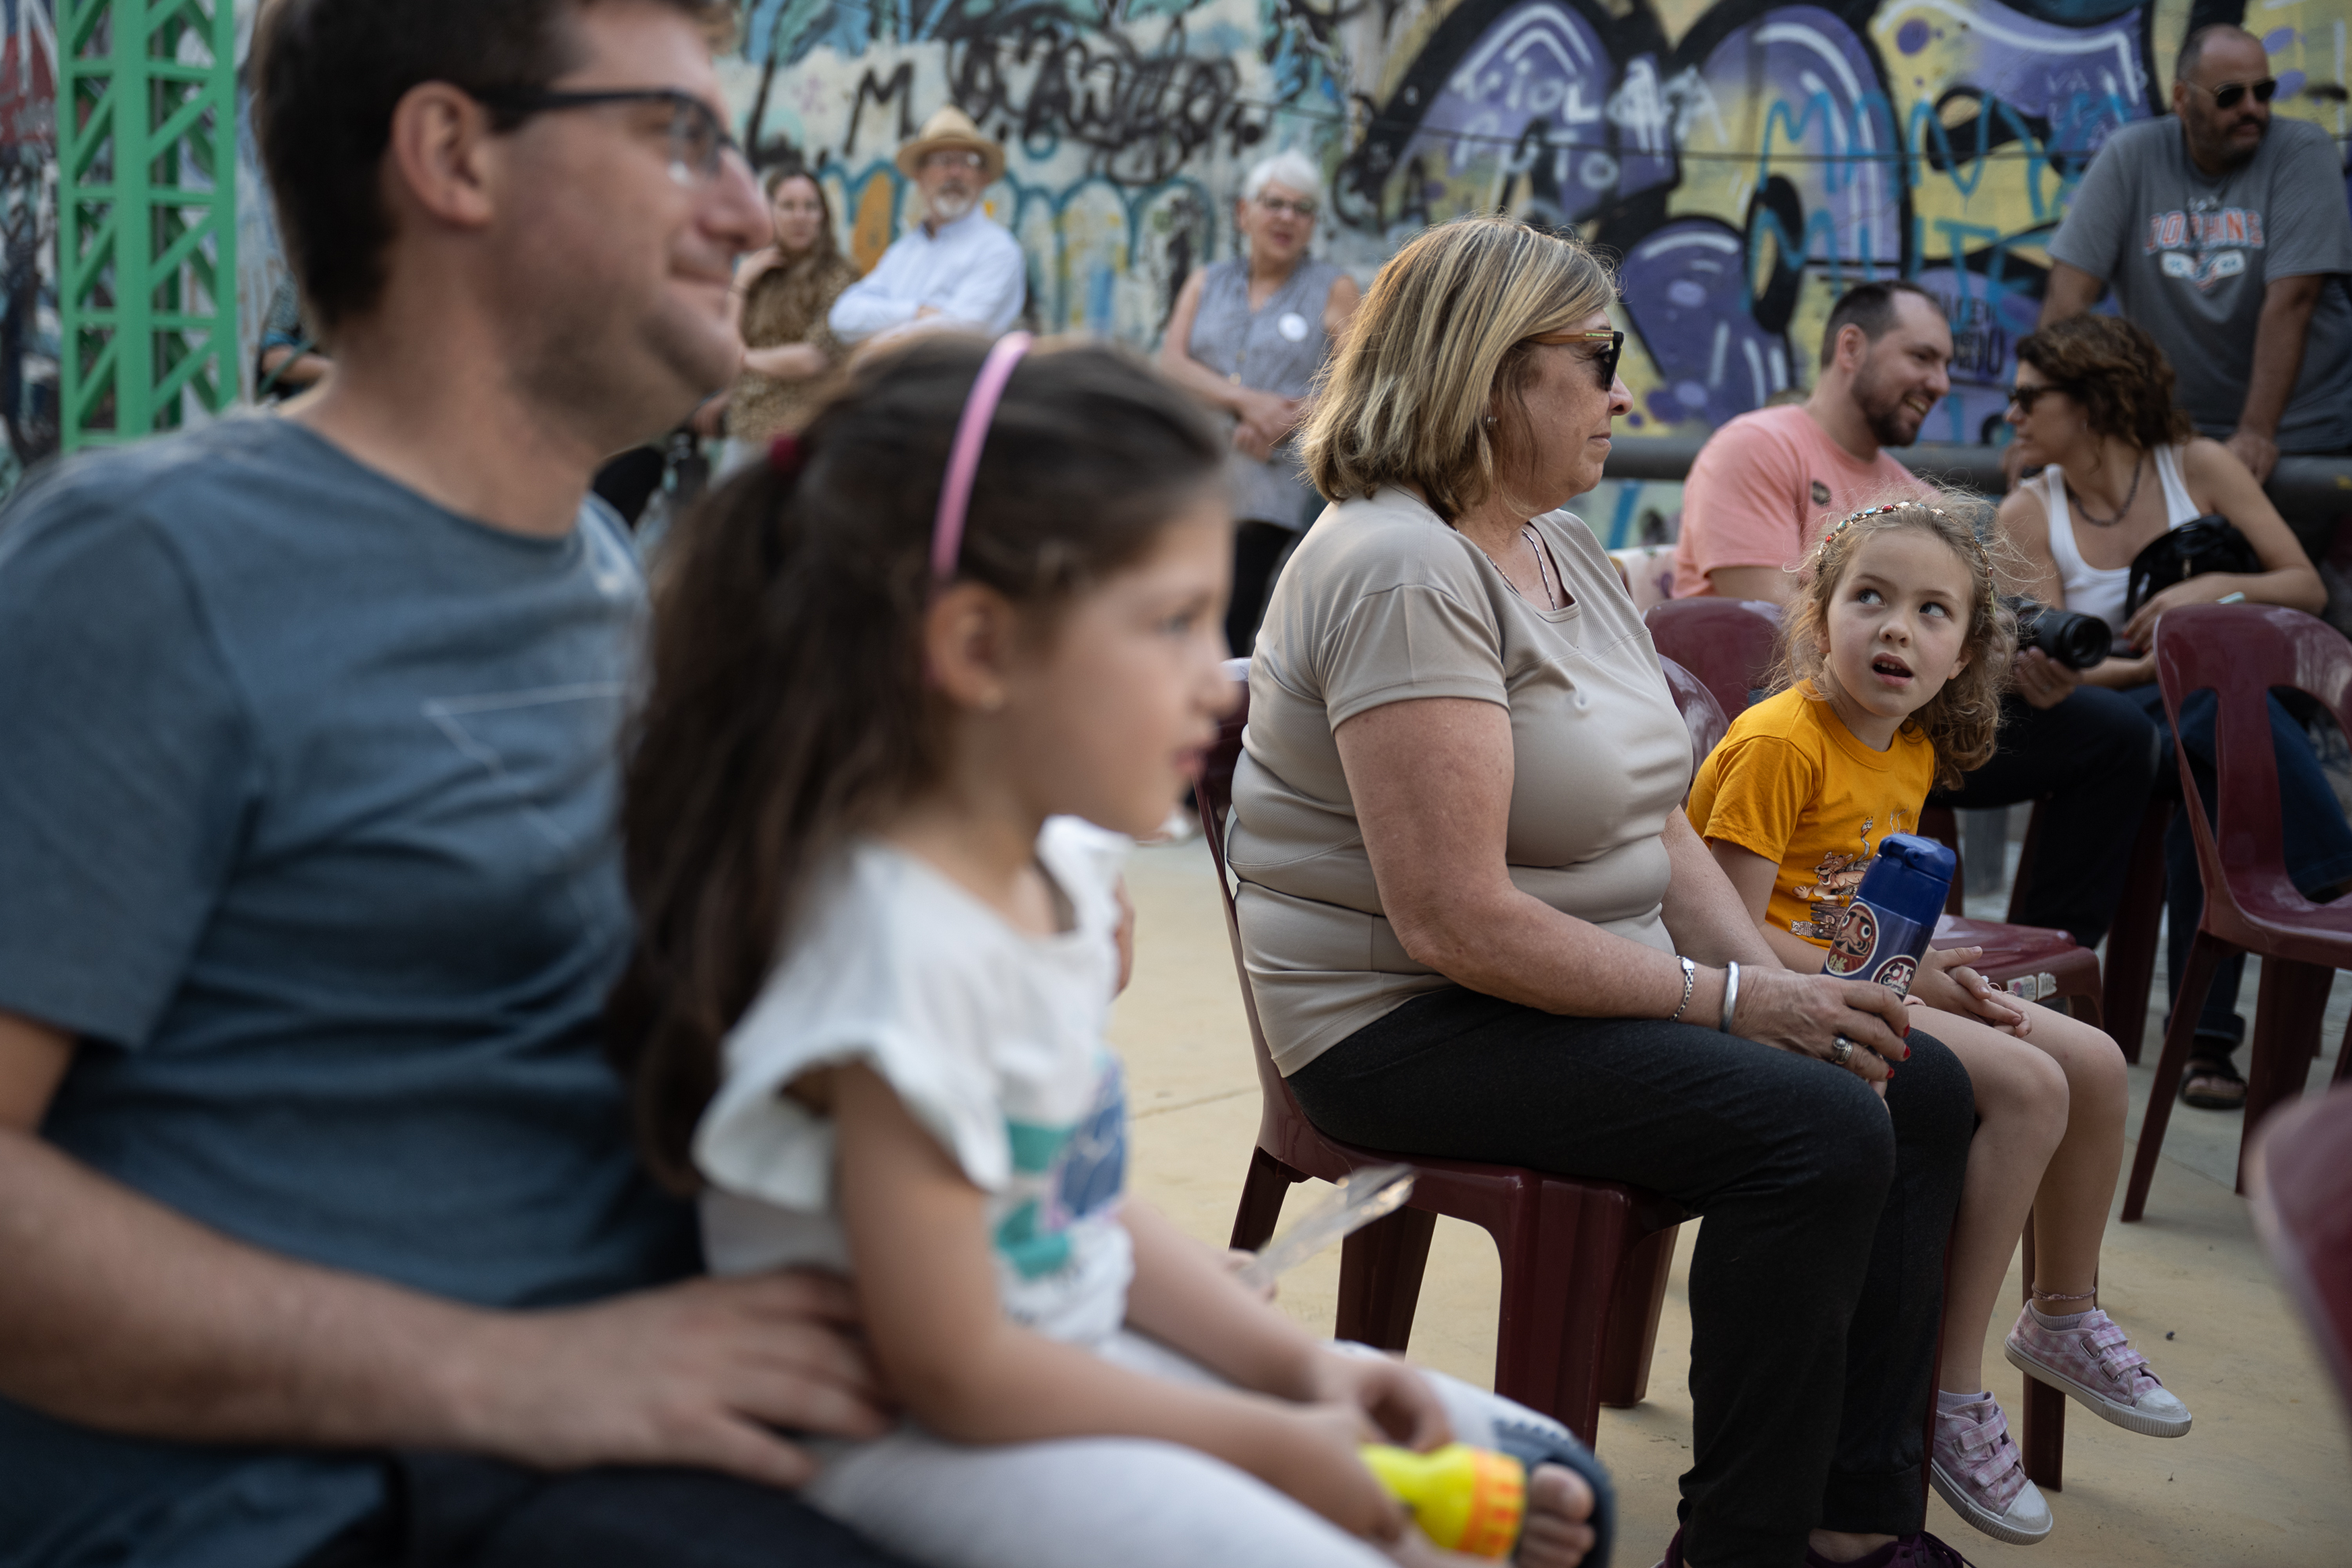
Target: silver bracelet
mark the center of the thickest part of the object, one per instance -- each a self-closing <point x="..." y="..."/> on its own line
<point x="1730" y="995"/>
<point x="1690" y="978"/>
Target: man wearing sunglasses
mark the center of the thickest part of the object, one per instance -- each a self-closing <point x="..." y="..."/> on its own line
<point x="2224" y="233"/>
<point x="324" y="1243"/>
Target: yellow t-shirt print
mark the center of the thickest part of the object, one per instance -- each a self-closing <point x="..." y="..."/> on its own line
<point x="1789" y="781"/>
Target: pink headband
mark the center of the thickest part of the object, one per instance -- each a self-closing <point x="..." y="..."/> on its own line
<point x="964" y="457"/>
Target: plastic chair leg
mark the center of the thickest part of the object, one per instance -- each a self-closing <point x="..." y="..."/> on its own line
<point x="2132" y="939"/>
<point x="1268" y="1182"/>
<point x="1380" y="1278"/>
<point x="2294" y="998"/>
<point x="2041" y="1416"/>
<point x="2205" y="954"/>
<point x="1633" y="1334"/>
<point x="1562" y="1249"/>
<point x="2024" y="884"/>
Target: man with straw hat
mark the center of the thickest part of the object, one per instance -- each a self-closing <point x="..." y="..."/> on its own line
<point x="955" y="269"/>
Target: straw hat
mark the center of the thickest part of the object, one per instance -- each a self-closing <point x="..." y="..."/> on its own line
<point x="951" y="128"/>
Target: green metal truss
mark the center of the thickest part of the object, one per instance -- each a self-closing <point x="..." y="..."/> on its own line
<point x="147" y="216"/>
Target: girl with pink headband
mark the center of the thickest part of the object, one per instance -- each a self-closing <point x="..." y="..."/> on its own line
<point x="900" y="673"/>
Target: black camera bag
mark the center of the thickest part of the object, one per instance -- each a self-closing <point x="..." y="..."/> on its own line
<point x="2202" y="544"/>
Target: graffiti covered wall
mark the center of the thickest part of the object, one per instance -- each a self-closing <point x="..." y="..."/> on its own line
<point x="28" y="219"/>
<point x="1746" y="159"/>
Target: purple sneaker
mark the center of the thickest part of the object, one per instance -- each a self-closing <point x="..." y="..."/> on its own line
<point x="2096" y="1364"/>
<point x="1975" y="1467"/>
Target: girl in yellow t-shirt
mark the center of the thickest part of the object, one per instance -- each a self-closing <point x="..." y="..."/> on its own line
<point x="1895" y="652"/>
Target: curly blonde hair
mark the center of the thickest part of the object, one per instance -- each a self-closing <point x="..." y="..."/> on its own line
<point x="1961" y="721"/>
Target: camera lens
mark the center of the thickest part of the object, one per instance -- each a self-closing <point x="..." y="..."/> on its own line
<point x="2075" y="640"/>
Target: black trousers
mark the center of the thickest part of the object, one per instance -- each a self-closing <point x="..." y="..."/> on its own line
<point x="456" y="1510"/>
<point x="1818" y="1282"/>
<point x="1258" y="550"/>
<point x="2094" y="755"/>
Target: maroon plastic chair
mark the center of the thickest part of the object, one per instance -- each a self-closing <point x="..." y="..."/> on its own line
<point x="2300" y="1184"/>
<point x="2239" y="652"/>
<point x="1702" y="715"/>
<point x="1729" y="644"/>
<point x="1584" y="1262"/>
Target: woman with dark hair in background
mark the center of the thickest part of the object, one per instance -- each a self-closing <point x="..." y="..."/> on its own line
<point x="2094" y="401"/>
<point x="780" y="295"/>
<point x="783" y="294"/>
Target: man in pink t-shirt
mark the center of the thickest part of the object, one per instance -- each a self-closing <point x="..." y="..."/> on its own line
<point x="1765" y="485"/>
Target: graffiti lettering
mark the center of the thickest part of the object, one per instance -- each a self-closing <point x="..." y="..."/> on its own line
<point x="899" y="89"/>
<point x="1141" y="117"/>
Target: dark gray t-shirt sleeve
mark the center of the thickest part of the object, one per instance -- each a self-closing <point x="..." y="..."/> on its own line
<point x="128" y="767"/>
<point x="2310" y="226"/>
<point x="2100" y="220"/>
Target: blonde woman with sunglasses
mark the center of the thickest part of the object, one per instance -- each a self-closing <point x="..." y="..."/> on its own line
<point x="1477" y="924"/>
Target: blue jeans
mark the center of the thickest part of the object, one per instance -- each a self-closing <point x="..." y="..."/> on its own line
<point x="2318" y="845"/>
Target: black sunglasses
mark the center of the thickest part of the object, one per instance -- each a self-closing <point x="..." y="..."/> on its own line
<point x="2025" y="398"/>
<point x="2230" y="94"/>
<point x="1605" y="360"/>
<point x="697" y="140"/>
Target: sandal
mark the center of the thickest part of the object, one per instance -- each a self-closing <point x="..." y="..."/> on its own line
<point x="2211" y="1083"/>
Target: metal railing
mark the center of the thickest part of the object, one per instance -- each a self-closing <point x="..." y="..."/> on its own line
<point x="2311" y="493"/>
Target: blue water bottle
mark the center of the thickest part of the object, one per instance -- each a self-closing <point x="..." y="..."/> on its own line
<point x="1892" y="915"/>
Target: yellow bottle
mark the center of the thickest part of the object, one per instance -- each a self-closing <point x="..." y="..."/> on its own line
<point x="1466" y="1500"/>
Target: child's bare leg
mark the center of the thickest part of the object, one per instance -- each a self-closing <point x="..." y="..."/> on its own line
<point x="2062" y="1339"/>
<point x="2022" y="1111"/>
<point x="2070" y="1210"/>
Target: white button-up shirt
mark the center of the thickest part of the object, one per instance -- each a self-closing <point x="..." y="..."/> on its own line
<point x="971" y="271"/>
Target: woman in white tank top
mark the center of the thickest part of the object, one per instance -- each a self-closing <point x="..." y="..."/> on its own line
<point x="2123" y="466"/>
<point x="2093" y="404"/>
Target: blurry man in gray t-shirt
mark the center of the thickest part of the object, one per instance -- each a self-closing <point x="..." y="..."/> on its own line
<point x="2226" y="236"/>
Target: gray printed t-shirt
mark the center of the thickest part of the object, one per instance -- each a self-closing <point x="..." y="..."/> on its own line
<point x="1383" y="602"/>
<point x="2189" y="258"/>
<point x="307" y="830"/>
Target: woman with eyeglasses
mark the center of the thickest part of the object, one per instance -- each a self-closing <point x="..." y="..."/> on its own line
<point x="1477" y="924"/>
<point x="1246" y="336"/>
<point x="2093" y="404"/>
<point x="783" y="293"/>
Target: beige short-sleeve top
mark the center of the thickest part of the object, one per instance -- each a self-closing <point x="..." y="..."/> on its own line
<point x="1383" y="601"/>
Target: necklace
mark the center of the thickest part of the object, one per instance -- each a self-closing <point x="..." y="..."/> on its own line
<point x="2130" y="496"/>
<point x="1543" y="572"/>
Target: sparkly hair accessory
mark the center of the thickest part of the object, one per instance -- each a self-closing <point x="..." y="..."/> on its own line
<point x="785" y="456"/>
<point x="1852" y="518"/>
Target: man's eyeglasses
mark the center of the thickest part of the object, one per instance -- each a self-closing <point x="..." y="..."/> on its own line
<point x="963" y="158"/>
<point x="1303" y="211"/>
<point x="2229" y="94"/>
<point x="1605" y="360"/>
<point x="698" y="141"/>
<point x="2023" y="398"/>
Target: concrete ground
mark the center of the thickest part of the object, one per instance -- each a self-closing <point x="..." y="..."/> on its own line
<point x="2264" y="1476"/>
